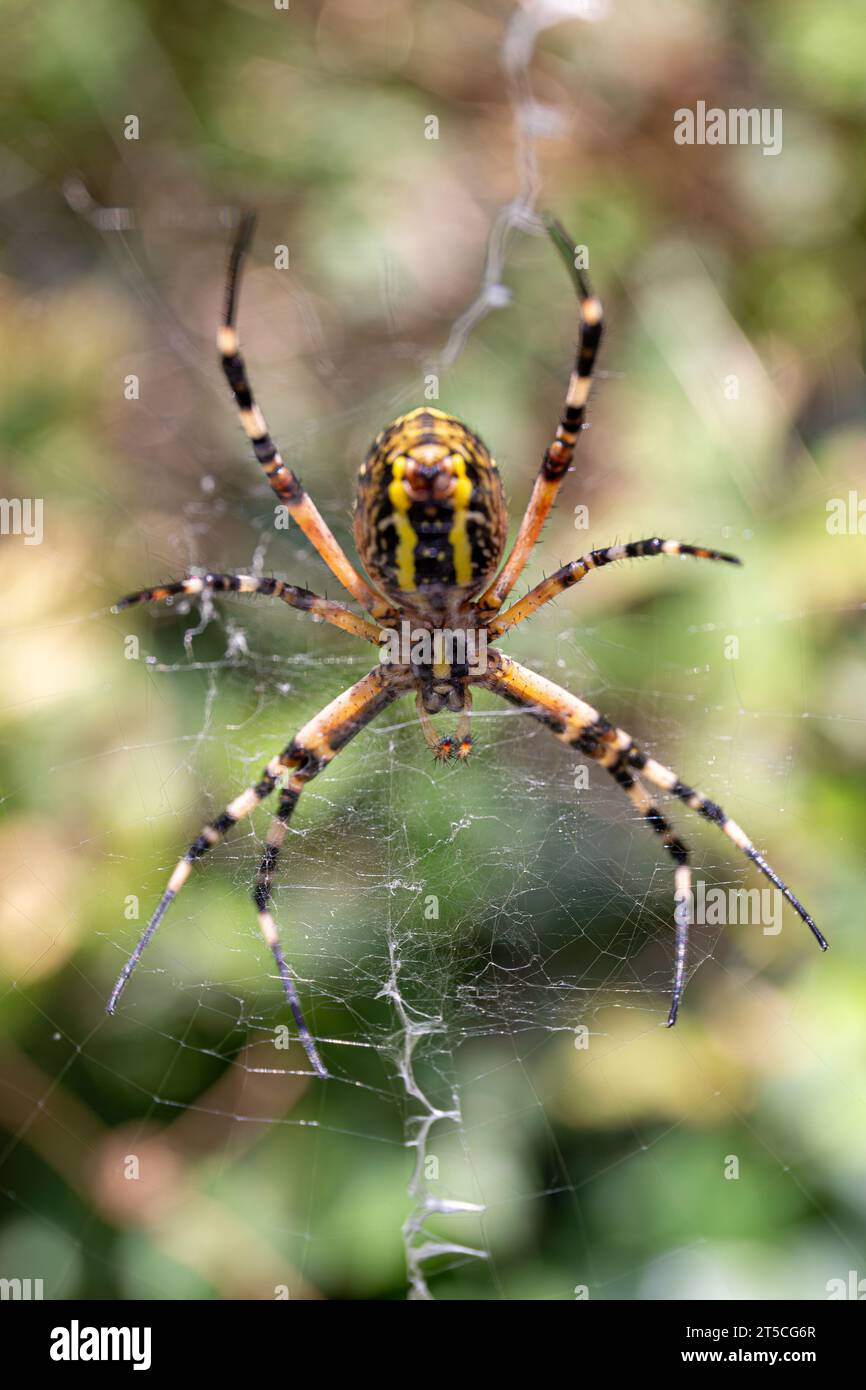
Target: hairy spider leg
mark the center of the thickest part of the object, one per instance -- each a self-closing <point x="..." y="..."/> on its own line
<point x="303" y="599"/>
<point x="575" y="722"/>
<point x="308" y="753"/>
<point x="572" y="573"/>
<point x="679" y="853"/>
<point x="558" y="457"/>
<point x="285" y="483"/>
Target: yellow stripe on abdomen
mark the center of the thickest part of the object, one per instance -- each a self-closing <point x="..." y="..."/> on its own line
<point x="407" y="537"/>
<point x="458" y="536"/>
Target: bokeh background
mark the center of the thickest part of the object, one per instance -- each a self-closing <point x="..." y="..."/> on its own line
<point x="451" y="928"/>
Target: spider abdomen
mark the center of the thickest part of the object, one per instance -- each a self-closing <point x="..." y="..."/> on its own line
<point x="430" y="518"/>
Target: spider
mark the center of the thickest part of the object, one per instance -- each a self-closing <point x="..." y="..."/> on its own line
<point x="430" y="527"/>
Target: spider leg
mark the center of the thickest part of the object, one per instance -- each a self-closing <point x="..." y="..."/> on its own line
<point x="308" y="753"/>
<point x="268" y="927"/>
<point x="303" y="599"/>
<point x="649" y="812"/>
<point x="557" y="459"/>
<point x="211" y="834"/>
<point x="312" y="750"/>
<point x="572" y="574"/>
<point x="283" y="480"/>
<point x="576" y="723"/>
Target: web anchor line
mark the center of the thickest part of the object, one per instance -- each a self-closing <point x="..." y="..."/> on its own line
<point x="519" y="213"/>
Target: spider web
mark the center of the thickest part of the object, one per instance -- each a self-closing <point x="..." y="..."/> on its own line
<point x="423" y="910"/>
<point x="449" y="927"/>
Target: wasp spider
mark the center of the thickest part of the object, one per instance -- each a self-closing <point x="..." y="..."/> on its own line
<point x="430" y="527"/>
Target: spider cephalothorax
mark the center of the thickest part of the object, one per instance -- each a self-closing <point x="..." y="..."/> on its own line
<point x="430" y="529"/>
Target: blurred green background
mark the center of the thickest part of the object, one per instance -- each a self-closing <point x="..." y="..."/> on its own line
<point x="451" y="927"/>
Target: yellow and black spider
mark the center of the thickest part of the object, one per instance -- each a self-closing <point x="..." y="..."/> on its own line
<point x="430" y="528"/>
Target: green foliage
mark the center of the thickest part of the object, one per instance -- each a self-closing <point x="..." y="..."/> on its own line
<point x="716" y="266"/>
